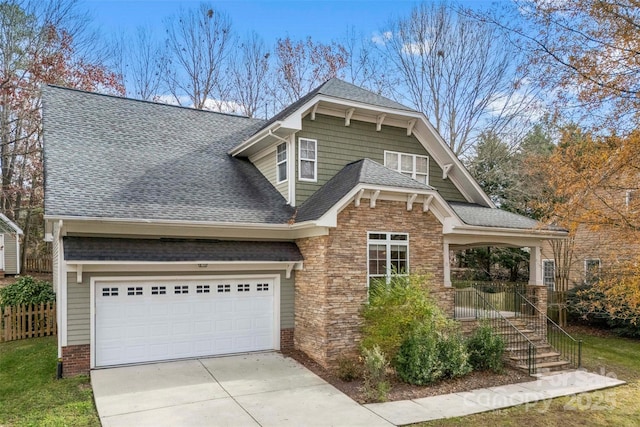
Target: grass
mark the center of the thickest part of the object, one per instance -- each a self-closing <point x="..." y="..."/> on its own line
<point x="30" y="395"/>
<point x="617" y="406"/>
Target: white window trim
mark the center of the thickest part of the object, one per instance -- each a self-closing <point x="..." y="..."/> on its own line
<point x="315" y="161"/>
<point x="414" y="172"/>
<point x="388" y="242"/>
<point x="285" y="161"/>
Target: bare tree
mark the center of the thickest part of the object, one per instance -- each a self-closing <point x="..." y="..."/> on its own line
<point x="250" y="74"/>
<point x="198" y="45"/>
<point x="364" y="65"/>
<point x="457" y="70"/>
<point x="304" y="65"/>
<point x="141" y="61"/>
<point x="40" y="43"/>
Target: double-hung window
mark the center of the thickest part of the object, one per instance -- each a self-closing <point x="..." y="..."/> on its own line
<point x="411" y="165"/>
<point x="307" y="159"/>
<point x="388" y="254"/>
<point x="282" y="159"/>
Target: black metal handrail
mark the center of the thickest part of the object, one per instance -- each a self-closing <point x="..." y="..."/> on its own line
<point x="568" y="347"/>
<point x="503" y="326"/>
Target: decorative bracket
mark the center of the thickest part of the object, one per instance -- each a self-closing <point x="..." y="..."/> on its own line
<point x="79" y="273"/>
<point x="427" y="203"/>
<point x="374" y="197"/>
<point x="445" y="170"/>
<point x="313" y="112"/>
<point x="358" y="197"/>
<point x="410" y="199"/>
<point x="348" y="115"/>
<point x="379" y="121"/>
<point x="410" y="126"/>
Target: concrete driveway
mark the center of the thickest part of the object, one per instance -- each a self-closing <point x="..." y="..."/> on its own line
<point x="260" y="389"/>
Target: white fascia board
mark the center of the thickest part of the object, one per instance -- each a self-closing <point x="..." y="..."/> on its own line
<point x="330" y="218"/>
<point x="182" y="223"/>
<point x="73" y="264"/>
<point x="473" y="230"/>
<point x="443" y="155"/>
<point x="374" y="110"/>
<point x="11" y="224"/>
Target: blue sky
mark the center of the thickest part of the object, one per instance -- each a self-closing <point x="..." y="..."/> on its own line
<point x="323" y="20"/>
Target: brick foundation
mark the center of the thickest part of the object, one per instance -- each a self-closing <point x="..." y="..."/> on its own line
<point x="286" y="339"/>
<point x="332" y="288"/>
<point x="76" y="360"/>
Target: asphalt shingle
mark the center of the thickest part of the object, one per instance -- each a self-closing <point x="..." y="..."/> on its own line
<point x="112" y="157"/>
<point x="365" y="171"/>
<point x="473" y="214"/>
<point x="173" y="250"/>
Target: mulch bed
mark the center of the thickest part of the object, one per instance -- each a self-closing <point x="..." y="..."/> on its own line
<point x="403" y="391"/>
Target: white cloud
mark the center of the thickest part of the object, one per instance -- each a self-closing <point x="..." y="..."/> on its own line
<point x="381" y="39"/>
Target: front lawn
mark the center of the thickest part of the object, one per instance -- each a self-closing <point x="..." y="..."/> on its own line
<point x="618" y="406"/>
<point x="30" y="395"/>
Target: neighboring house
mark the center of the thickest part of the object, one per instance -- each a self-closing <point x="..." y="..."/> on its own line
<point x="180" y="233"/>
<point x="596" y="249"/>
<point x="9" y="246"/>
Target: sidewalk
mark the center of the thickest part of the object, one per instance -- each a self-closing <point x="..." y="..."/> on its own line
<point x="488" y="399"/>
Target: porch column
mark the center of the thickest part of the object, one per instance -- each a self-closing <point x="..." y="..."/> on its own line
<point x="535" y="266"/>
<point x="447" y="265"/>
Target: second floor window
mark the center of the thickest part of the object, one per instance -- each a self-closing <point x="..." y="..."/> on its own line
<point x="308" y="159"/>
<point x="411" y="165"/>
<point x="281" y="162"/>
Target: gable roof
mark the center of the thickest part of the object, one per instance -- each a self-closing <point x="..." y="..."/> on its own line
<point x="364" y="171"/>
<point x="177" y="250"/>
<point x="472" y="214"/>
<point x="340" y="89"/>
<point x="112" y="157"/>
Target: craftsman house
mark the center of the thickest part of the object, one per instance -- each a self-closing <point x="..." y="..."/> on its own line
<point x="180" y="233"/>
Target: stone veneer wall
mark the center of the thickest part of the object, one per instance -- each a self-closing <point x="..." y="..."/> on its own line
<point x="332" y="287"/>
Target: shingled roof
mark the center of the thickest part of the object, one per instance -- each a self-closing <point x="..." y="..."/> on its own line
<point x="340" y="89"/>
<point x="113" y="157"/>
<point x="472" y="214"/>
<point x="364" y="171"/>
<point x="176" y="250"/>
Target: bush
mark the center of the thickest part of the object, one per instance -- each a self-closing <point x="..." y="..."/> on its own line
<point x="348" y="369"/>
<point x="376" y="386"/>
<point x="453" y="354"/>
<point x="486" y="350"/>
<point x="418" y="361"/>
<point x="26" y="291"/>
<point x="428" y="355"/>
<point x="396" y="310"/>
<point x="614" y="301"/>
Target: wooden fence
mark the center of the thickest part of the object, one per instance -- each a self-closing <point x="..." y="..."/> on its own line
<point x="38" y="265"/>
<point x="27" y="321"/>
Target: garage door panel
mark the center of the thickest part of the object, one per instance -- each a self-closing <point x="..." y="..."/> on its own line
<point x="161" y="320"/>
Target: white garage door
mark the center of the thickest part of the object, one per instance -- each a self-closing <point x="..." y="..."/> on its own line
<point x="143" y="321"/>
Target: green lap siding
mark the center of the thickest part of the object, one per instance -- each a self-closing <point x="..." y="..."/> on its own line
<point x="79" y="296"/>
<point x="267" y="165"/>
<point x="339" y="145"/>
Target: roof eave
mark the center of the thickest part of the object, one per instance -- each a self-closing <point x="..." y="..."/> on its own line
<point x="505" y="231"/>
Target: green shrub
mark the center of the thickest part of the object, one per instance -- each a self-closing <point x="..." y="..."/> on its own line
<point x="27" y="290"/>
<point x="418" y="360"/>
<point x="348" y="369"/>
<point x="376" y="386"/>
<point x="486" y="350"/>
<point x="429" y="355"/>
<point x="453" y="354"/>
<point x="395" y="310"/>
